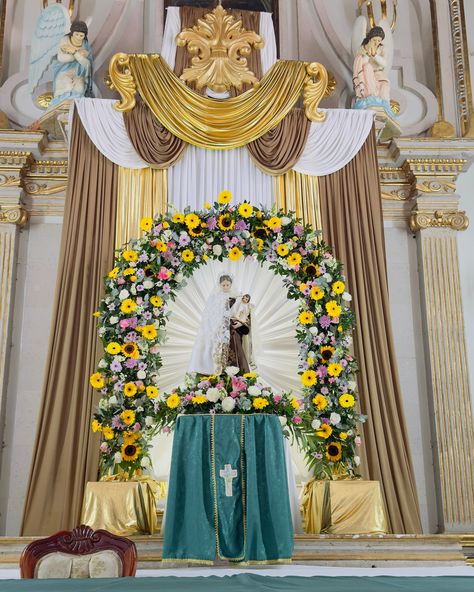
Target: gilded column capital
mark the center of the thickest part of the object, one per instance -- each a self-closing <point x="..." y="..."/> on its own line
<point x="16" y="215"/>
<point x="453" y="220"/>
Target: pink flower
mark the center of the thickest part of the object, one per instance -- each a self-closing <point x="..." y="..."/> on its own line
<point x="164" y="274"/>
<point x="104" y="447"/>
<point x="234" y="240"/>
<point x="136" y="427"/>
<point x="155" y="349"/>
<point x="166" y="430"/>
<point x="120" y="281"/>
<point x="219" y="384"/>
<point x="277" y="398"/>
<point x="298" y="229"/>
<point x="211" y="223"/>
<point x="297" y="420"/>
<point x="188" y="397"/>
<point x="234" y="394"/>
<point x="238" y="384"/>
<point x="123" y="323"/>
<point x="357" y="441"/>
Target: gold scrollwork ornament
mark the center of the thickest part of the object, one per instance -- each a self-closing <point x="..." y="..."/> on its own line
<point x="16" y="215"/>
<point x="314" y="91"/>
<point x="454" y="220"/>
<point x="121" y="80"/>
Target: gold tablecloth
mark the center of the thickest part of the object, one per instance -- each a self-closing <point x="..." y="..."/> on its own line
<point x="122" y="507"/>
<point x="343" y="507"/>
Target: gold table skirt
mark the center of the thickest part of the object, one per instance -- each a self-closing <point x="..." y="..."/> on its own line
<point x="343" y="507"/>
<point x="122" y="507"/>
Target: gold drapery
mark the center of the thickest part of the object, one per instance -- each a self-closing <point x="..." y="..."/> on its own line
<point x="299" y="193"/>
<point x="343" y="507"/>
<point x="202" y="121"/>
<point x="140" y="193"/>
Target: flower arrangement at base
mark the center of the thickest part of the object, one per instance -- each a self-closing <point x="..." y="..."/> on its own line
<point x="147" y="276"/>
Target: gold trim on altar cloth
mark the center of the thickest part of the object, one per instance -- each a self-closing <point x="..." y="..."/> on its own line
<point x="212" y="123"/>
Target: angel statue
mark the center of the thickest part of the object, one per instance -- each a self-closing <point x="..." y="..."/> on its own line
<point x="64" y="45"/>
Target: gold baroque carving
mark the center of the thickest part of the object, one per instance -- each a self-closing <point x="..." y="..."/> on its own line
<point x="436" y="186"/>
<point x="314" y="91"/>
<point x="34" y="188"/>
<point x="219" y="45"/>
<point x="9" y="181"/>
<point x="403" y="194"/>
<point x="454" y="220"/>
<point x="121" y="80"/>
<point x="15" y="215"/>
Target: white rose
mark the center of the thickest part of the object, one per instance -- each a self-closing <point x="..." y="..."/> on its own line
<point x="117" y="458"/>
<point x="103" y="404"/>
<point x="347" y="297"/>
<point x="217" y="250"/>
<point x="113" y="320"/>
<point x="246" y="234"/>
<point x="103" y="364"/>
<point x="141" y="374"/>
<point x="335" y="418"/>
<point x="313" y="330"/>
<point x="124" y="294"/>
<point x="231" y="370"/>
<point x="133" y="290"/>
<point x="213" y="395"/>
<point x="179" y="277"/>
<point x="228" y="404"/>
<point x="113" y="400"/>
<point x="352" y="385"/>
<point x="327" y="277"/>
<point x="356" y="461"/>
<point x="254" y="391"/>
<point x="145" y="462"/>
<point x="148" y="284"/>
<point x="283" y="420"/>
<point x="316" y="424"/>
<point x="149" y="421"/>
<point x="285" y="221"/>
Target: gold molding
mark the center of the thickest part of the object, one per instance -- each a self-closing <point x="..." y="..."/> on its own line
<point x="436" y="186"/>
<point x="14" y="215"/>
<point x="383" y="11"/>
<point x="453" y="220"/>
<point x="9" y="181"/>
<point x="434" y="166"/>
<point x="314" y="90"/>
<point x="34" y="188"/>
<point x="403" y="194"/>
<point x="15" y="159"/>
<point x="121" y="80"/>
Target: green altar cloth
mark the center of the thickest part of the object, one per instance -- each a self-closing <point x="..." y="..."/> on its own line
<point x="228" y="491"/>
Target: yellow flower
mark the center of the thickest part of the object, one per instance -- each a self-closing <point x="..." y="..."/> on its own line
<point x="260" y="403"/>
<point x="97" y="380"/>
<point x="259" y="242"/>
<point x="199" y="400"/>
<point x="146" y="224"/>
<point x="207" y="205"/>
<point x="306" y="317"/>
<point x="130" y="437"/>
<point x="113" y="348"/>
<point x="310" y="361"/>
<point x="225" y="222"/>
<point x="347" y="400"/>
<point x="130" y="389"/>
<point x="173" y="401"/>
<point x="294" y="403"/>
<point x="326" y="353"/>
<point x="245" y="210"/>
<point x="151" y="392"/>
<point x="161" y="246"/>
<point x="311" y="270"/>
<point x="343" y="435"/>
<point x="156" y="301"/>
<point x="282" y="250"/>
<point x="149" y="332"/>
<point x="303" y="287"/>
<point x="338" y="287"/>
<point x="333" y="308"/>
<point x="178" y="218"/>
<point x="114" y="273"/>
<point x="187" y="255"/>
<point x="130" y="452"/>
<point x="235" y="254"/>
<point x="96" y="314"/>
<point x="309" y="378"/>
<point x="130" y="255"/>
<point x="133" y="278"/>
<point x="273" y="222"/>
<point x="259" y="214"/>
<point x="108" y="433"/>
<point x="333" y="451"/>
<point x="316" y="293"/>
<point x="320" y="402"/>
<point x="128" y="271"/>
<point x="324" y="431"/>
<point x="197" y="232"/>
<point x="128" y="416"/>
<point x="334" y="369"/>
<point x="224" y="197"/>
<point x="128" y="306"/>
<point x="192" y="220"/>
<point x="250" y="375"/>
<point x="130" y="350"/>
<point x="294" y="259"/>
<point x="96" y="426"/>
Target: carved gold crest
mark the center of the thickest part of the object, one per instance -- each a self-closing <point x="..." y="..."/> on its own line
<point x="219" y="46"/>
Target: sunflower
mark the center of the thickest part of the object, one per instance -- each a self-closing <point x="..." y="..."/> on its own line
<point x="294" y="259"/>
<point x="249" y="375"/>
<point x="130" y="452"/>
<point x="149" y="332"/>
<point x="259" y="242"/>
<point x="320" y="402"/>
<point x="113" y="348"/>
<point x="96" y="426"/>
<point x="128" y="306"/>
<point x="260" y="403"/>
<point x="130" y="255"/>
<point x="128" y="271"/>
<point x="334" y="369"/>
<point x="130" y="350"/>
<point x="316" y="293"/>
<point x="173" y="401"/>
<point x="327" y="352"/>
<point x="224" y="197"/>
<point x="245" y="210"/>
<point x="260" y="232"/>
<point x="333" y="451"/>
<point x="324" y="431"/>
<point x="130" y="437"/>
<point x="192" y="220"/>
<point x="294" y="403"/>
<point x="128" y="416"/>
<point x="309" y="378"/>
<point x="97" y="380"/>
<point x="347" y="400"/>
<point x="178" y="218"/>
<point x="311" y="270"/>
<point x="343" y="435"/>
<point x="274" y="222"/>
<point x="235" y="254"/>
<point x="156" y="301"/>
<point x="130" y="389"/>
<point x="148" y="271"/>
<point x="333" y="309"/>
<point x="146" y="224"/>
<point x="151" y="392"/>
<point x="108" y="433"/>
<point x="306" y="317"/>
<point x="282" y="250"/>
<point x="199" y="400"/>
<point x="197" y="232"/>
<point x="161" y="246"/>
<point x="338" y="287"/>
<point x="187" y="255"/>
<point x="225" y="222"/>
<point x="114" y="273"/>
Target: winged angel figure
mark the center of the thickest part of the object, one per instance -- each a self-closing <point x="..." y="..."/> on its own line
<point x="64" y="45"/>
<point x="373" y="57"/>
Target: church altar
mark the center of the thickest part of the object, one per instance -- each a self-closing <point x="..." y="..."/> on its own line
<point x="228" y="493"/>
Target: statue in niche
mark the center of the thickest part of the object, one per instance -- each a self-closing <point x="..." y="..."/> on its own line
<point x="63" y="45"/>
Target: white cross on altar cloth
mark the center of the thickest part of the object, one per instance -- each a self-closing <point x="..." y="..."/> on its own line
<point x="228" y="474"/>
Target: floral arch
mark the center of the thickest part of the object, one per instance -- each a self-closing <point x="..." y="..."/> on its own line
<point x="149" y="273"/>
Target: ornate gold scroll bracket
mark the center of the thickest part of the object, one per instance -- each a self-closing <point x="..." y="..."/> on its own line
<point x="121" y="80"/>
<point x="14" y="215"/>
<point x="454" y="220"/>
<point x="383" y="11"/>
<point x="314" y="90"/>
